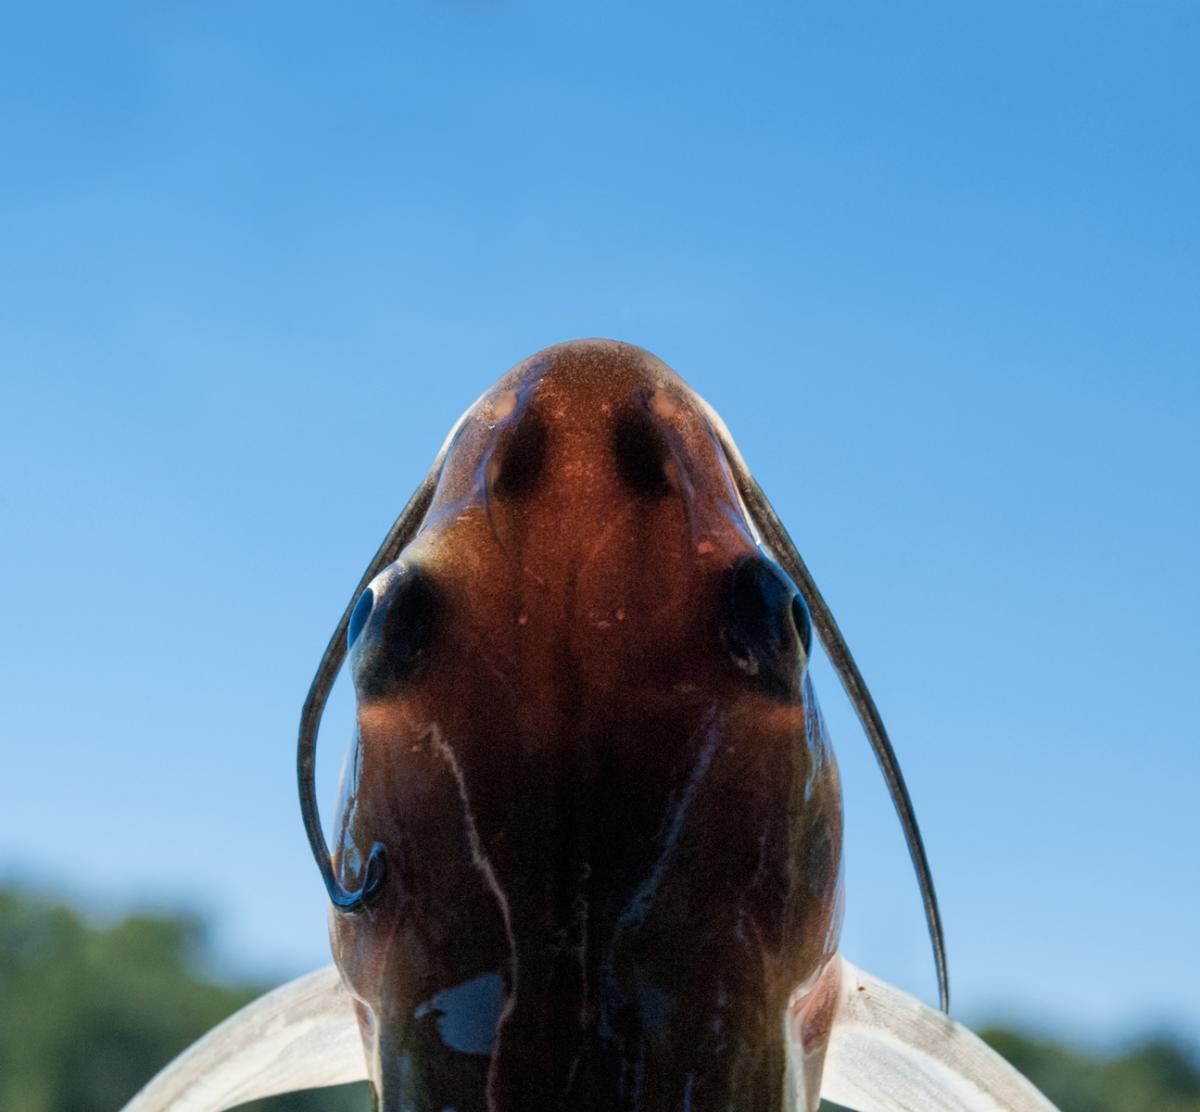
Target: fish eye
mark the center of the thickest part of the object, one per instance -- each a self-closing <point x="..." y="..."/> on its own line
<point x="408" y="609"/>
<point x="358" y="617"/>
<point x="763" y="628"/>
<point x="802" y="620"/>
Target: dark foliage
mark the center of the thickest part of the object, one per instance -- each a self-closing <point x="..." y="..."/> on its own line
<point x="1156" y="1074"/>
<point x="89" y="1013"/>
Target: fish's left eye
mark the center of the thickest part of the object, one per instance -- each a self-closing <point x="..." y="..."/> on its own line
<point x="766" y="634"/>
<point x="802" y="620"/>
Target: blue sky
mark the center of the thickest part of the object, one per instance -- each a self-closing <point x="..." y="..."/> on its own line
<point x="937" y="265"/>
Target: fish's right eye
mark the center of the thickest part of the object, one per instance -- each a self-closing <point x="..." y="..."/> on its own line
<point x="403" y="623"/>
<point x="358" y="618"/>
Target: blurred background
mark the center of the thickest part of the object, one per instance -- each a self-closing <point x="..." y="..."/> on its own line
<point x="938" y="267"/>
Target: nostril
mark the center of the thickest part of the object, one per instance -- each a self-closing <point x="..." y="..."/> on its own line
<point x="522" y="457"/>
<point x="759" y="626"/>
<point x="397" y="631"/>
<point x="640" y="453"/>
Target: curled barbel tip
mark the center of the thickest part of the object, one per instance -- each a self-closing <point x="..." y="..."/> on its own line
<point x="351" y="901"/>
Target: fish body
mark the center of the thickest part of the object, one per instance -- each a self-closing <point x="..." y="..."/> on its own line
<point x="589" y="749"/>
<point x="588" y="849"/>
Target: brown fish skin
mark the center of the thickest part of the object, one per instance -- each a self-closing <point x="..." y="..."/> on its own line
<point x="611" y="815"/>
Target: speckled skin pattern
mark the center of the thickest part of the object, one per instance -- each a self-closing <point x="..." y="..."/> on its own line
<point x="611" y="815"/>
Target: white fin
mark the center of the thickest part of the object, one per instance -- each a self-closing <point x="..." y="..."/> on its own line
<point x="301" y="1036"/>
<point x="889" y="1052"/>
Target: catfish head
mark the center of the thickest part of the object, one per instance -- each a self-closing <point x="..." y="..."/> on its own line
<point x="588" y="850"/>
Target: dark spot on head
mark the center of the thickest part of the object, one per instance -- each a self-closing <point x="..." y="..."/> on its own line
<point x="758" y="626"/>
<point x="395" y="639"/>
<point x="522" y="457"/>
<point x="640" y="451"/>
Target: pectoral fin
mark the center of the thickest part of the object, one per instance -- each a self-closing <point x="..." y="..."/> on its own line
<point x="889" y="1052"/>
<point x="885" y="1051"/>
<point x="301" y="1036"/>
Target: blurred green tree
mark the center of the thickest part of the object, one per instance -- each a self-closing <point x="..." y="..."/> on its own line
<point x="89" y="1013"/>
<point x="1157" y="1074"/>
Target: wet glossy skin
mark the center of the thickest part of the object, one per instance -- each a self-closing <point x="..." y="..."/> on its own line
<point x="586" y="740"/>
